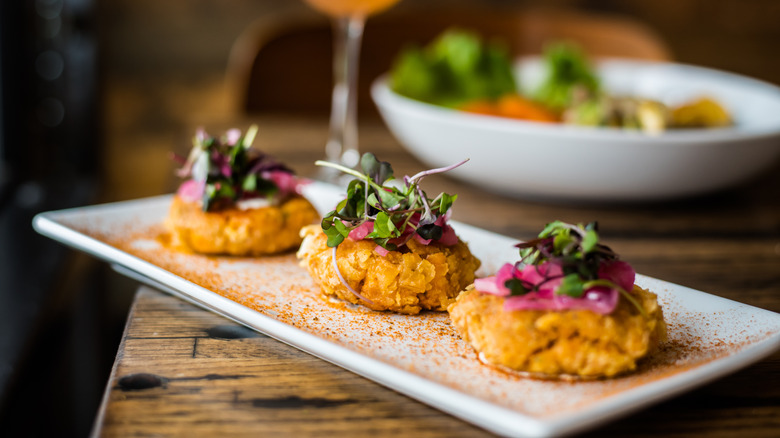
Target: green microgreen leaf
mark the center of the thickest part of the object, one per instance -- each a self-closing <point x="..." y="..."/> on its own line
<point x="551" y="228"/>
<point x="226" y="191"/>
<point x="340" y="207"/>
<point x="391" y="209"/>
<point x="334" y="236"/>
<point x="571" y="285"/>
<point x="341" y="228"/>
<point x="563" y="241"/>
<point x="237" y="155"/>
<point x="352" y="207"/>
<point x="516" y="287"/>
<point x="575" y="247"/>
<point x="386" y="244"/>
<point x="384" y="227"/>
<point x="266" y="188"/>
<point x="589" y="241"/>
<point x="446" y="202"/>
<point x="327" y="221"/>
<point x="373" y="201"/>
<point x="215" y="192"/>
<point x="250" y="183"/>
<point x="390" y="199"/>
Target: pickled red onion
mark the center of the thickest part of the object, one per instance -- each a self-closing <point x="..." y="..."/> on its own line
<point x="360" y="232"/>
<point x="448" y="237"/>
<point x="495" y="285"/>
<point x="544" y="279"/>
<point x="191" y="190"/>
<point x="618" y="272"/>
<point x="600" y="300"/>
<point x="285" y="181"/>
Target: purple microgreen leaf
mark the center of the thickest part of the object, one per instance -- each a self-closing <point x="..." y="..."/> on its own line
<point x="430" y="232"/>
<point x="427" y="216"/>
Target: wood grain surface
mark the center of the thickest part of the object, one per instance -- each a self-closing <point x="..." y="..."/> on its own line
<point x="183" y="371"/>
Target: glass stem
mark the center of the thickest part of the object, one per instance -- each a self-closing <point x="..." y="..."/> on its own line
<point x="342" y="146"/>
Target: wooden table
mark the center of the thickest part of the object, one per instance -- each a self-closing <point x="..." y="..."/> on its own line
<point x="181" y="370"/>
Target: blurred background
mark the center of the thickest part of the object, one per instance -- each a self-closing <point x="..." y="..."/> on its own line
<point x="96" y="93"/>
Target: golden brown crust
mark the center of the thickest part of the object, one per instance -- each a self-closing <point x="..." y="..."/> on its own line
<point x="426" y="277"/>
<point x="574" y="342"/>
<point x="253" y="232"/>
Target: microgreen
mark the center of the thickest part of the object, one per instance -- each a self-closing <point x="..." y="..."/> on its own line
<point x="516" y="287"/>
<point x="576" y="250"/>
<point x="389" y="215"/>
<point x="231" y="169"/>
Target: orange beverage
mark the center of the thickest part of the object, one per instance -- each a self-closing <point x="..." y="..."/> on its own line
<point x="345" y="8"/>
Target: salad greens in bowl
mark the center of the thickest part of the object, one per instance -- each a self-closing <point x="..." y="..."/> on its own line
<point x="455" y="68"/>
<point x="569" y="129"/>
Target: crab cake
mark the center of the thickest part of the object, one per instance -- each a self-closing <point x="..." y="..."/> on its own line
<point x="236" y="200"/>
<point x="388" y="247"/>
<point x="568" y="308"/>
<point x="545" y="343"/>
<point x="233" y="231"/>
<point x="417" y="277"/>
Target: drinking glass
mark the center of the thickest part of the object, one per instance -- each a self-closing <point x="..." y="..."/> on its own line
<point x="348" y="17"/>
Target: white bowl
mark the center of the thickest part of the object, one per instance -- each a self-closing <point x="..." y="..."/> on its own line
<point x="572" y="163"/>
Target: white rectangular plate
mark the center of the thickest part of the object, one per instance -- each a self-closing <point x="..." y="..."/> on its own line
<point x="420" y="356"/>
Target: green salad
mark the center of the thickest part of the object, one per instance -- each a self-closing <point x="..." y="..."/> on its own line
<point x="460" y="70"/>
<point x="456" y="67"/>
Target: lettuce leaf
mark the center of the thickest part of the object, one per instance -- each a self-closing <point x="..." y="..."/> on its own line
<point x="455" y="68"/>
<point x="568" y="70"/>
